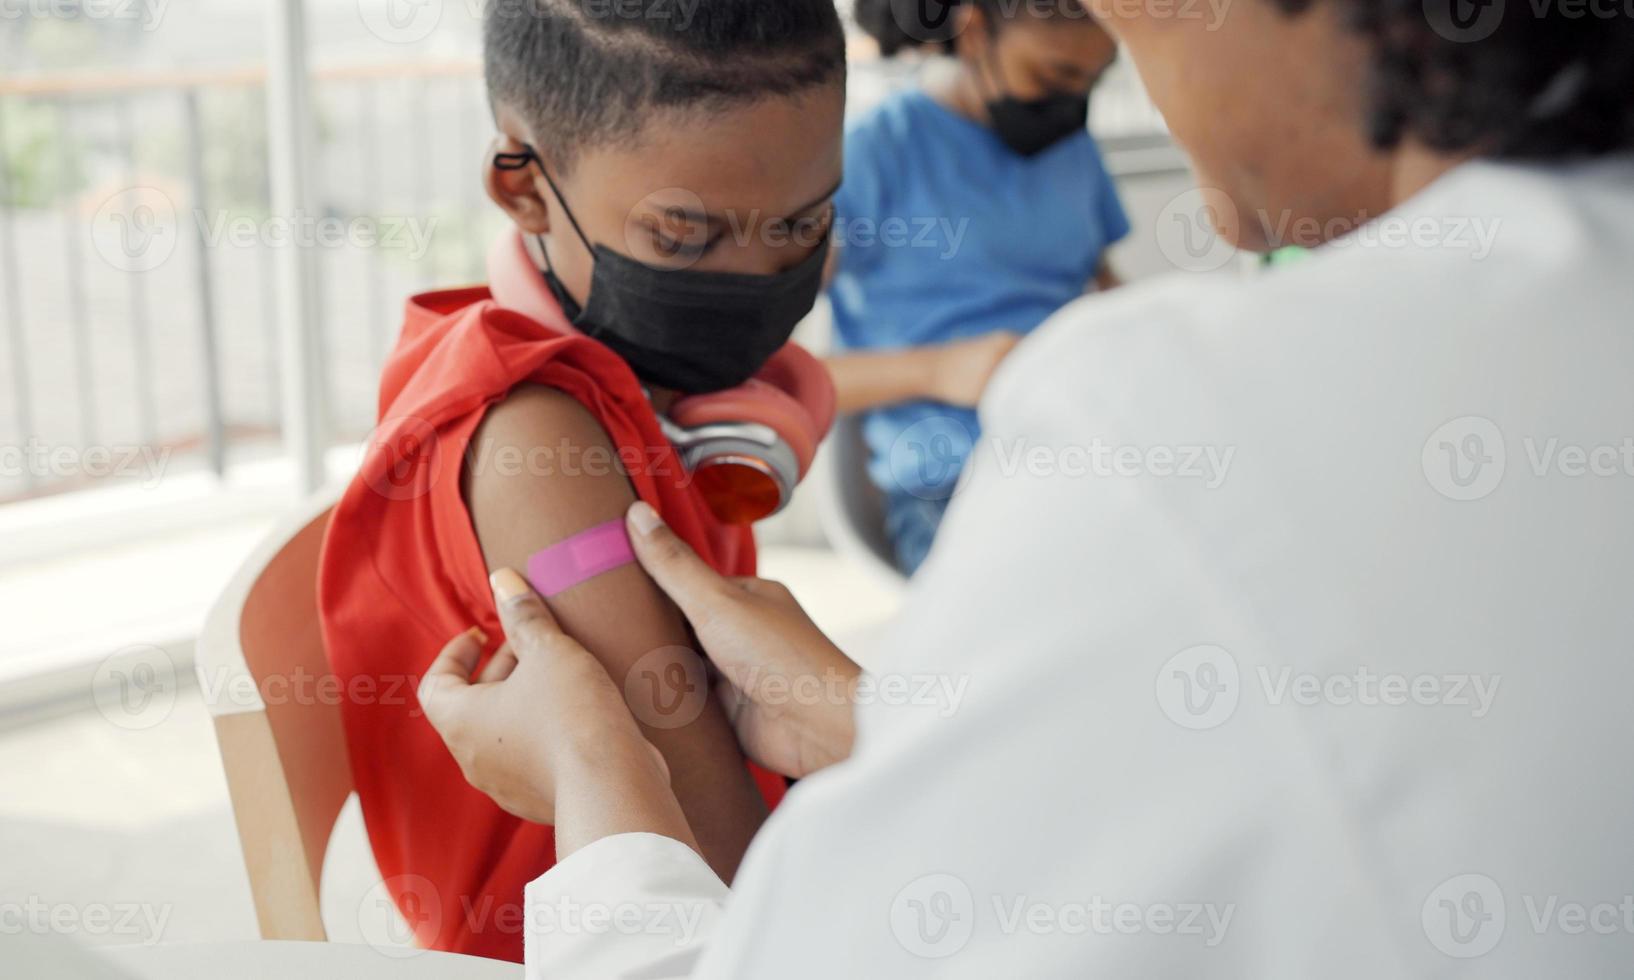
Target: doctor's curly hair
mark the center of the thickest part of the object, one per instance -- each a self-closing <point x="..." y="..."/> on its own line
<point x="1503" y="79"/>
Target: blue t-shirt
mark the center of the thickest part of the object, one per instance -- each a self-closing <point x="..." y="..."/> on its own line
<point x="947" y="234"/>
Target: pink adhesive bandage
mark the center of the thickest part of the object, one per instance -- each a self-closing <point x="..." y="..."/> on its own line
<point x="580" y="558"/>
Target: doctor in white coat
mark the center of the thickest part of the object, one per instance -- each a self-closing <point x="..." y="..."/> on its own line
<point x="1284" y="628"/>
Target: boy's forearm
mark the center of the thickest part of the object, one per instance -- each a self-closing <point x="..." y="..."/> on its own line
<point x="643" y="642"/>
<point x="871" y="379"/>
<point x="722" y="804"/>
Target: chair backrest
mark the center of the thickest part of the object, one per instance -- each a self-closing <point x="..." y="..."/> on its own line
<point x="851" y="508"/>
<point x="276" y="710"/>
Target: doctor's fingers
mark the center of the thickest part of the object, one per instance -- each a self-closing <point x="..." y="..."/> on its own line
<point x="499" y="666"/>
<point x="449" y="675"/>
<point x="687" y="579"/>
<point x="530" y="628"/>
<point x="539" y="646"/>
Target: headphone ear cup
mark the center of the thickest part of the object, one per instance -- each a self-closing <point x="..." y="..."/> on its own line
<point x="805" y="379"/>
<point x="753" y="401"/>
<point x="793" y="394"/>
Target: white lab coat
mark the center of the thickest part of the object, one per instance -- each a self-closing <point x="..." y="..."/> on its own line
<point x="1352" y="700"/>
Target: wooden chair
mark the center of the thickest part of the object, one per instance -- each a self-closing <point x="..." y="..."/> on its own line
<point x="286" y="761"/>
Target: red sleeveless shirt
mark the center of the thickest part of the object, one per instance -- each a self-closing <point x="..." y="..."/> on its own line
<point x="402" y="573"/>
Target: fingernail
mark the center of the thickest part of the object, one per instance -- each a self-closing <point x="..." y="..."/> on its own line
<point x="643" y="517"/>
<point x="476" y="633"/>
<point x="508" y="586"/>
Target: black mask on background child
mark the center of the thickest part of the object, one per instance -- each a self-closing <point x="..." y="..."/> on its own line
<point x="1030" y="128"/>
<point x="694" y="332"/>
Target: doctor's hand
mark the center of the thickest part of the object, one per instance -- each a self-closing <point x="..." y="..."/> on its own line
<point x="787" y="688"/>
<point x="542" y="720"/>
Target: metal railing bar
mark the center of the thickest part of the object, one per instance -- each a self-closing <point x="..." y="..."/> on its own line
<point x="291" y="139"/>
<point x="12" y="294"/>
<point x="369" y="161"/>
<point x="270" y="301"/>
<point x="147" y="412"/>
<point x="74" y="271"/>
<point x="476" y="255"/>
<point x="215" y="425"/>
<point x="422" y="146"/>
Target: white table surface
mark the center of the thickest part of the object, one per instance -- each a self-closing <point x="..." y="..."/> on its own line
<point x="299" y="961"/>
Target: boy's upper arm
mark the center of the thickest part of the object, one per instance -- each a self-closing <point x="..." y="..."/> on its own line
<point x="541" y="470"/>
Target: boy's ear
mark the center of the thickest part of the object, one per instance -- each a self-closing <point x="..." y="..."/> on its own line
<point x="516" y="191"/>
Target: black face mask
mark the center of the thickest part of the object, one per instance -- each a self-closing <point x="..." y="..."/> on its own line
<point x="1030" y="128"/>
<point x="693" y="332"/>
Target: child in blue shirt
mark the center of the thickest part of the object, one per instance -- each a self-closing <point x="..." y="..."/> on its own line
<point x="975" y="205"/>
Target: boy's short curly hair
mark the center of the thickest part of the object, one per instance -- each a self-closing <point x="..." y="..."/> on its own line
<point x="1505" y="79"/>
<point x="588" y="73"/>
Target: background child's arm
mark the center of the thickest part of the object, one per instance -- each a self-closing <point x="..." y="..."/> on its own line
<point x="1107" y="277"/>
<point x="561" y="478"/>
<point x="953" y="373"/>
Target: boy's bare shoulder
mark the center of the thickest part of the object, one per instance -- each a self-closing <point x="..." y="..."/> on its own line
<point x="540" y="468"/>
<point x="533" y="412"/>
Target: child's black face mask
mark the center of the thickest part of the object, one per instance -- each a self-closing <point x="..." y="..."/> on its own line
<point x="1030" y="128"/>
<point x="693" y="332"/>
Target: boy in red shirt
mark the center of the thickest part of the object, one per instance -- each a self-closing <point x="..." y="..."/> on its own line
<point x="669" y="177"/>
